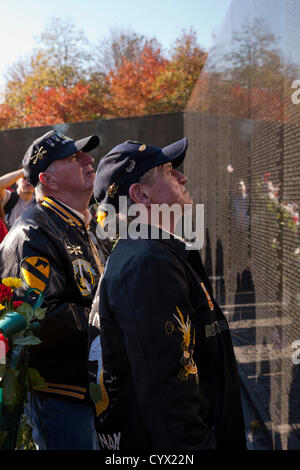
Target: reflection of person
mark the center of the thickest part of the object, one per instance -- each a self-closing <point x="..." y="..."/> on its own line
<point x="241" y="206"/>
<point x="166" y="376"/>
<point x="50" y="247"/>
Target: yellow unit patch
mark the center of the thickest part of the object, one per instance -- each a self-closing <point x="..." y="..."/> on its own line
<point x="35" y="271"/>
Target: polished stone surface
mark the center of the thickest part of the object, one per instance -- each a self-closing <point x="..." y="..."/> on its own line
<point x="243" y="125"/>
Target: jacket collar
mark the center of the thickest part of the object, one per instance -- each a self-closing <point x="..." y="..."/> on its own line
<point x="180" y="249"/>
<point x="156" y="233"/>
<point x="62" y="211"/>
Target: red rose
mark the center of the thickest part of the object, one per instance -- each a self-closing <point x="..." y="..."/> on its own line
<point x="5" y="341"/>
<point x="17" y="303"/>
<point x="5" y="293"/>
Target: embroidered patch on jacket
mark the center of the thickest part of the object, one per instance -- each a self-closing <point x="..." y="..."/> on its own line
<point x="211" y="305"/>
<point x="35" y="271"/>
<point x="187" y="346"/>
<point x="99" y="396"/>
<point x="85" y="276"/>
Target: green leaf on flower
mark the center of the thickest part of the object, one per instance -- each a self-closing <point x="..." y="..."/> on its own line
<point x="35" y="379"/>
<point x="26" y="340"/>
<point x="95" y="392"/>
<point x="26" y="310"/>
<point x="11" y="387"/>
<point x="39" y="313"/>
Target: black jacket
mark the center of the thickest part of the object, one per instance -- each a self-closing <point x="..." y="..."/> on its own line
<point x="50" y="248"/>
<point x="167" y="377"/>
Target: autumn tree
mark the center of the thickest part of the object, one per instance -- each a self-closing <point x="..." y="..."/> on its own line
<point x="61" y="62"/>
<point x="62" y="104"/>
<point x="7" y="115"/>
<point x="67" y="50"/>
<point x="65" y="80"/>
<point x="120" y="44"/>
<point x="174" y="84"/>
<point x="131" y="85"/>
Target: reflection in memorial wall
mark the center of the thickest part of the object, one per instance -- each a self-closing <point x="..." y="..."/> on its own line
<point x="243" y="125"/>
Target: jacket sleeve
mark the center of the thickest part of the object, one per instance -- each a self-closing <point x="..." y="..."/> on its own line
<point x="156" y="314"/>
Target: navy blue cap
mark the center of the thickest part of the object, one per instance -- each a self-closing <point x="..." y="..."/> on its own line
<point x="50" y="147"/>
<point x="126" y="163"/>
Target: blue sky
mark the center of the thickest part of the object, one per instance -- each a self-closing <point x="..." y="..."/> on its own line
<point x="22" y="21"/>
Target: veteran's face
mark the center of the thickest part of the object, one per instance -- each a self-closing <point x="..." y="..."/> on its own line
<point x="75" y="173"/>
<point x="169" y="187"/>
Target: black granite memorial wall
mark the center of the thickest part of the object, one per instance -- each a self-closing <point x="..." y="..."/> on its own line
<point x="160" y="129"/>
<point x="243" y="124"/>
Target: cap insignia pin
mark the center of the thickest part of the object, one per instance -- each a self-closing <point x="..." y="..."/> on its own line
<point x="73" y="249"/>
<point x="112" y="190"/>
<point x="142" y="148"/>
<point x="38" y="155"/>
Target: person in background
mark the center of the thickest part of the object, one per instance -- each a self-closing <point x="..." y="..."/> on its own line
<point x="16" y="202"/>
<point x="5" y="193"/>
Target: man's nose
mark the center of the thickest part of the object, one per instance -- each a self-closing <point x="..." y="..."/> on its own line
<point x="180" y="177"/>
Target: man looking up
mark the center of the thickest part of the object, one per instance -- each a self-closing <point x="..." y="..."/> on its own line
<point x="50" y="248"/>
<point x="160" y="347"/>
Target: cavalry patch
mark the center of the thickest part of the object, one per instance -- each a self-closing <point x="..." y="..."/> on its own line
<point x="35" y="271"/>
<point x="85" y="276"/>
<point x="187" y="346"/>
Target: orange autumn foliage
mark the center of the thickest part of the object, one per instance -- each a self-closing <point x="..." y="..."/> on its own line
<point x="7" y="115"/>
<point x="59" y="105"/>
<point x="131" y="85"/>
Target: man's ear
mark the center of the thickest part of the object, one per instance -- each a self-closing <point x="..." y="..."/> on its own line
<point x="139" y="194"/>
<point x="47" y="180"/>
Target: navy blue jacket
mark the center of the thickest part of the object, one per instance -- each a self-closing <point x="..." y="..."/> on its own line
<point x="165" y="366"/>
